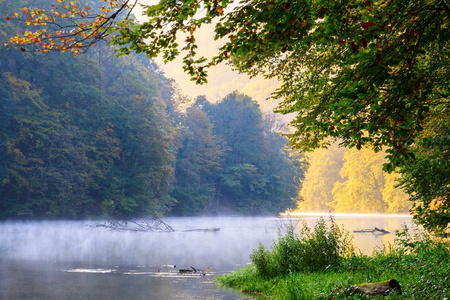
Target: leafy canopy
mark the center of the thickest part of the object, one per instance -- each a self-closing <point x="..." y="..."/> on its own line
<point x="366" y="71"/>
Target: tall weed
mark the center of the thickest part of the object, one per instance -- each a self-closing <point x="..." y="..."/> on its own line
<point x="308" y="250"/>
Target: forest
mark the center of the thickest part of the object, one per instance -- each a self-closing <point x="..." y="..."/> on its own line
<point x="98" y="135"/>
<point x="104" y="135"/>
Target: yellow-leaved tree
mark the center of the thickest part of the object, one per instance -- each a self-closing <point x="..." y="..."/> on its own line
<point x="350" y="180"/>
<point x="361" y="191"/>
<point x="395" y="198"/>
<point x="322" y="174"/>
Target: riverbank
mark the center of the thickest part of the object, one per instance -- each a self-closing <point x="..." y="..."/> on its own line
<point x="420" y="265"/>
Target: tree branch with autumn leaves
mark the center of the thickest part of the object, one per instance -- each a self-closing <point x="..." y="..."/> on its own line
<point x="70" y="26"/>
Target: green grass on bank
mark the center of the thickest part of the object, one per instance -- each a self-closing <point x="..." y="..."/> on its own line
<point x="420" y="264"/>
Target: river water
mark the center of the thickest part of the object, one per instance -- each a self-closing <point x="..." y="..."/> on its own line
<point x="68" y="260"/>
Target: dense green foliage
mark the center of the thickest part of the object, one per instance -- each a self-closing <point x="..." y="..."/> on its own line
<point x="97" y="135"/>
<point x="304" y="251"/>
<point x="419" y="264"/>
<point x="85" y="136"/>
<point x="231" y="161"/>
<point x="428" y="180"/>
<point x="367" y="72"/>
<point x="370" y="73"/>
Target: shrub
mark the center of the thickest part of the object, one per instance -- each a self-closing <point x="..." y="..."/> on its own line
<point x="307" y="251"/>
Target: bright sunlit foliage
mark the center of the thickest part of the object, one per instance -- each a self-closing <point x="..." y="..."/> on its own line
<point x="351" y="181"/>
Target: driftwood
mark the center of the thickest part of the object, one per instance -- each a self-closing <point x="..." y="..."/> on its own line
<point x="382" y="288"/>
<point x="374" y="231"/>
<point x="151" y="223"/>
<point x="192" y="270"/>
<point x="203" y="230"/>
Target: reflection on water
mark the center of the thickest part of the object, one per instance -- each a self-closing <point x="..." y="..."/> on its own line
<point x="46" y="280"/>
<point x="66" y="260"/>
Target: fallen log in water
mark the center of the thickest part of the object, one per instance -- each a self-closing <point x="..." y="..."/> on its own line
<point x="374" y="231"/>
<point x="149" y="224"/>
<point x="152" y="223"/>
<point x="192" y="270"/>
<point x="203" y="230"/>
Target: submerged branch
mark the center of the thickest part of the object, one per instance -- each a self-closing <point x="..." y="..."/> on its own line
<point x="149" y="224"/>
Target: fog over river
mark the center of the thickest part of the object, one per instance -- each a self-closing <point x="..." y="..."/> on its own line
<point x="68" y="260"/>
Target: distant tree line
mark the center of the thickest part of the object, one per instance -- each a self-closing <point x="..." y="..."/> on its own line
<point x="231" y="159"/>
<point x="97" y="135"/>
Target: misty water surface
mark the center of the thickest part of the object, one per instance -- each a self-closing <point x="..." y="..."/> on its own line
<point x="67" y="260"/>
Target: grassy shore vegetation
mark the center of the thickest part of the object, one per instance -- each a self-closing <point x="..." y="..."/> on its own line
<point x="321" y="263"/>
